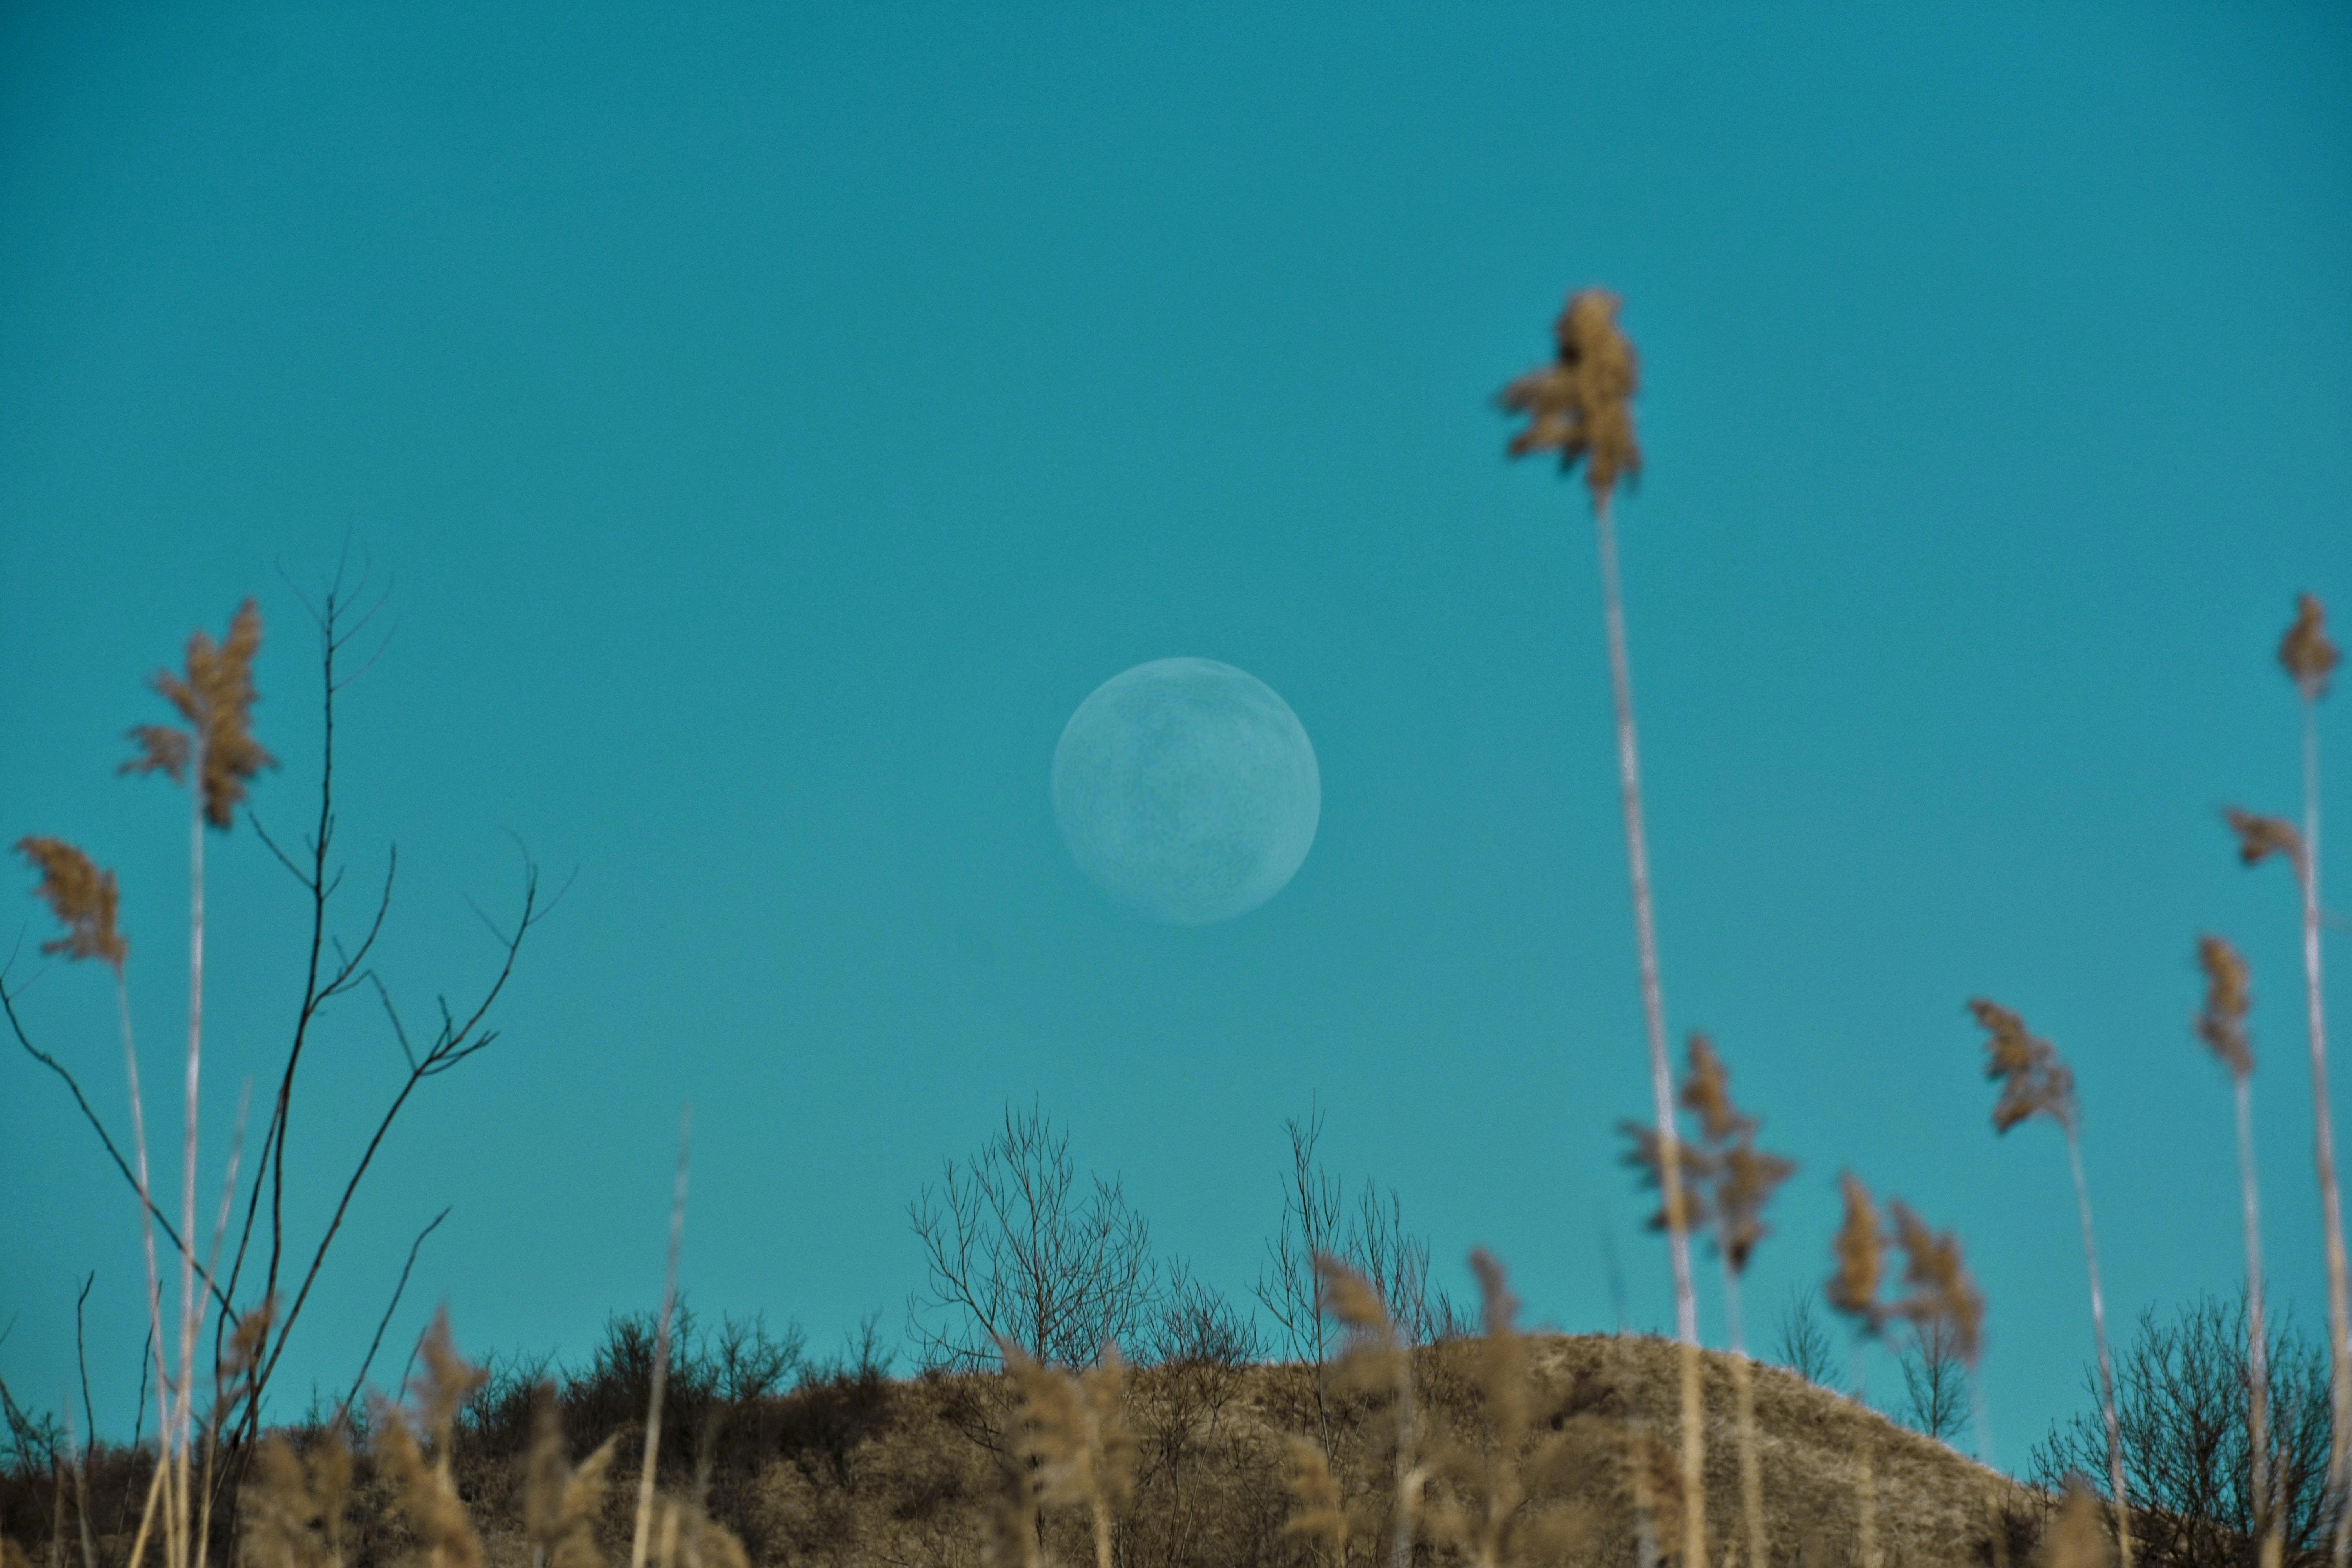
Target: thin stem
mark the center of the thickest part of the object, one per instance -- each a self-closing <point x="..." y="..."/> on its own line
<point x="2339" y="1279"/>
<point x="146" y="1218"/>
<point x="661" y="1351"/>
<point x="2106" y="1363"/>
<point x="1865" y="1475"/>
<point x="1751" y="1461"/>
<point x="1653" y="1010"/>
<point x="1997" y="1526"/>
<point x="2258" y="1379"/>
<point x="189" y="1308"/>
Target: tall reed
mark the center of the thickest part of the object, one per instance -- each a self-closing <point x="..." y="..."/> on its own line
<point x="2036" y="1082"/>
<point x="1580" y="405"/>
<point x="1940" y="1299"/>
<point x="2309" y="658"/>
<point x="1851" y="1290"/>
<point x="641" y="1538"/>
<point x="1727" y="1181"/>
<point x="2222" y="1026"/>
<point x="214" y="757"/>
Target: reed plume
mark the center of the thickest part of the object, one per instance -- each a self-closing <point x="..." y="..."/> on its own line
<point x="560" y="1501"/>
<point x="1376" y="1361"/>
<point x="2309" y="658"/>
<point x="1505" y="1527"/>
<point x="1580" y="405"/>
<point x="1071" y="1439"/>
<point x="294" y="1504"/>
<point x="1726" y="1183"/>
<point x="1852" y="1290"/>
<point x="2074" y="1539"/>
<point x="641" y="1538"/>
<point x="1317" y="1509"/>
<point x="1742" y="1180"/>
<point x="214" y="756"/>
<point x="426" y="1491"/>
<point x="2229" y="996"/>
<point x="2035" y="1081"/>
<point x="82" y="896"/>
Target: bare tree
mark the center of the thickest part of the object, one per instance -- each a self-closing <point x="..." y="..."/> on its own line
<point x="2181" y="1391"/>
<point x="1804" y="1345"/>
<point x="1016" y="1252"/>
<point x="1935" y="1382"/>
<point x="1372" y="1241"/>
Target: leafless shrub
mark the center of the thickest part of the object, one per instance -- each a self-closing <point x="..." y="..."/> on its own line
<point x="1016" y="1254"/>
<point x="1936" y="1398"/>
<point x="1804" y="1345"/>
<point x="2182" y="1389"/>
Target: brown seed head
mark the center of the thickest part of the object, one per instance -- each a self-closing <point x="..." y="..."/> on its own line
<point x="1748" y="1176"/>
<point x="215" y="697"/>
<point x="294" y="1504"/>
<point x="2078" y="1536"/>
<point x="2305" y="651"/>
<point x="1706" y="1089"/>
<point x="561" y="1501"/>
<point x="1315" y="1511"/>
<point x="82" y="896"/>
<point x="2260" y="837"/>
<point x="1694" y="1165"/>
<point x="1860" y="1250"/>
<point x="1581" y="404"/>
<point x="2034" y="1080"/>
<point x="2228" y="996"/>
<point x="1940" y="1287"/>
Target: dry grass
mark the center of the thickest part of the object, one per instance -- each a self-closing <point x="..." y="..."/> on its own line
<point x="1537" y="1446"/>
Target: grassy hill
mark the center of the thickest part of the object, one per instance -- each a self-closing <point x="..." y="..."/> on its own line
<point x="855" y="1468"/>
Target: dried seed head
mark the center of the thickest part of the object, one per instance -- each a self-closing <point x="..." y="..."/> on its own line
<point x="2034" y="1080"/>
<point x="561" y="1501"/>
<point x="1316" y="1510"/>
<point x="215" y="697"/>
<point x="1114" y="1445"/>
<point x="2305" y="651"/>
<point x="294" y="1504"/>
<point x="82" y="896"/>
<point x="1860" y="1250"/>
<point x="1349" y="1297"/>
<point x="2260" y="837"/>
<point x="1940" y="1287"/>
<point x="1706" y="1089"/>
<point x="2228" y="996"/>
<point x="445" y="1386"/>
<point x="1693" y="1164"/>
<point x="1581" y="404"/>
<point x="1748" y="1176"/>
<point x="2078" y="1536"/>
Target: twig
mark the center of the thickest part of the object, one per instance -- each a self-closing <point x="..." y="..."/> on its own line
<point x="16" y="1024"/>
<point x="391" y="1308"/>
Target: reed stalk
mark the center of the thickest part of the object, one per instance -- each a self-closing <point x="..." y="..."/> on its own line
<point x="2339" y="1275"/>
<point x="2222" y="1026"/>
<point x="642" y="1536"/>
<point x="2035" y="1082"/>
<point x="2309" y="658"/>
<point x="1580" y="405"/>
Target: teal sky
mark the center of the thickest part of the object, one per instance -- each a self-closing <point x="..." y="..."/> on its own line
<point x="770" y="423"/>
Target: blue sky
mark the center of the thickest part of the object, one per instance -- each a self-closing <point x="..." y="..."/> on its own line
<point x="770" y="423"/>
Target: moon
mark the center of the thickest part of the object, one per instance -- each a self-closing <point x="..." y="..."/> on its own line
<point x="1187" y="790"/>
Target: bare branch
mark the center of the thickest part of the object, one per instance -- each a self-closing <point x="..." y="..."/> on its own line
<point x="16" y="1024"/>
<point x="391" y="1307"/>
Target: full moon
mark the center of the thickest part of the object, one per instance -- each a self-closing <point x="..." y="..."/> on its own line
<point x="1187" y="790"/>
